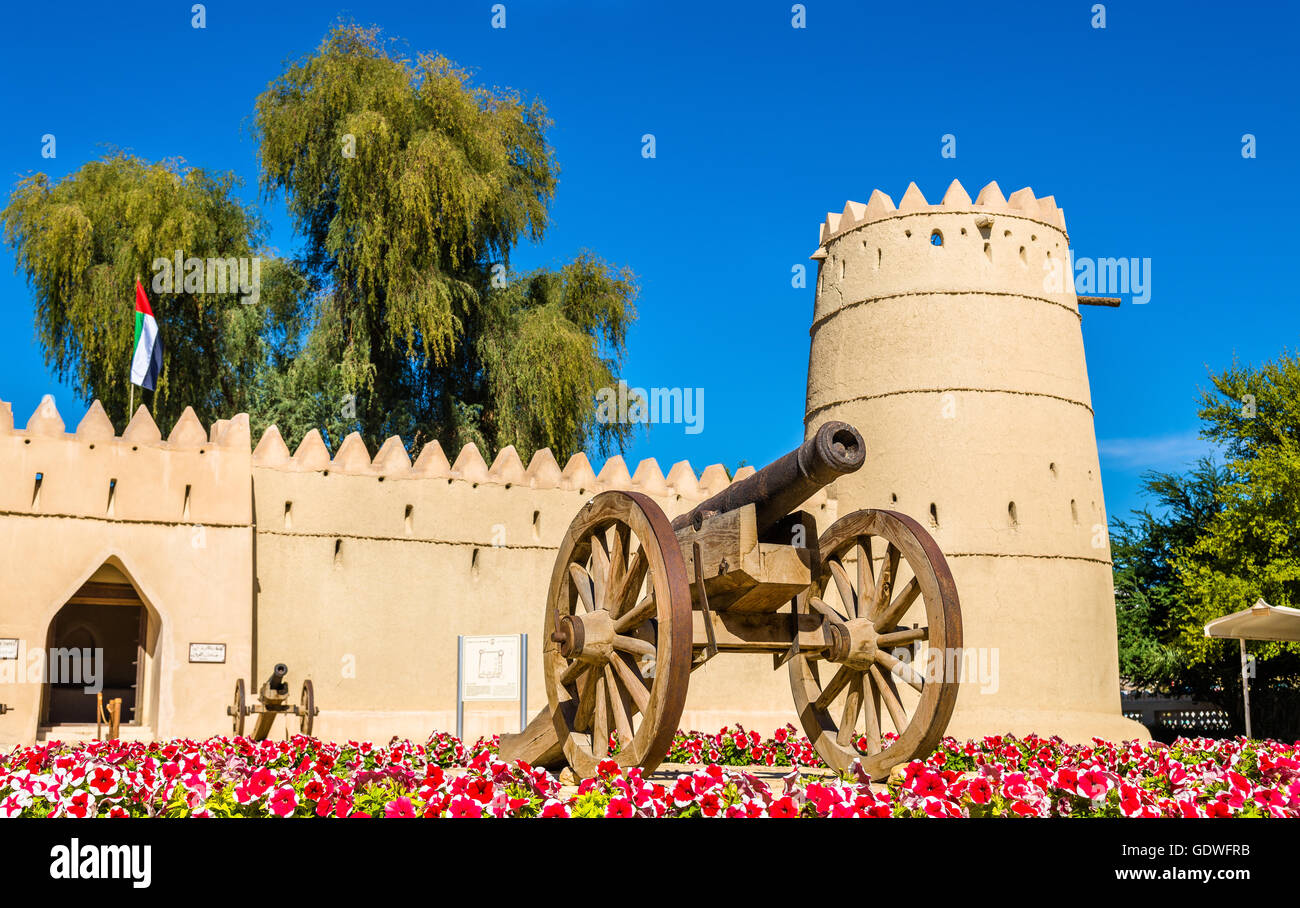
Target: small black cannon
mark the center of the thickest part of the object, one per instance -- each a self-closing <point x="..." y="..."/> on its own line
<point x="637" y="603"/>
<point x="273" y="699"/>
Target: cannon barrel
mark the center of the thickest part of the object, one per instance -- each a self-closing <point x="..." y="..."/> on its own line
<point x="276" y="681"/>
<point x="836" y="448"/>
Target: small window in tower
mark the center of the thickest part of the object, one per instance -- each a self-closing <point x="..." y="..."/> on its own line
<point x="1023" y="260"/>
<point x="934" y="515"/>
<point x="338" y="553"/>
<point x="842" y="262"/>
<point x="1011" y="514"/>
<point x="879" y="255"/>
<point x="408" y="520"/>
<point x="988" y="250"/>
<point x="36" y="491"/>
<point x="1074" y="511"/>
<point x="936" y="238"/>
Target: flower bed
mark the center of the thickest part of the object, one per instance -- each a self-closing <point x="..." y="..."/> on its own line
<point x="304" y="777"/>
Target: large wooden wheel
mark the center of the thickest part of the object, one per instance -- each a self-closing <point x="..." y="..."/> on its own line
<point x="307" y="708"/>
<point x="894" y="616"/>
<point x="618" y="617"/>
<point x="237" y="710"/>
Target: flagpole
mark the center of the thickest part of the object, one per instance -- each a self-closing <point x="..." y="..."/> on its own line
<point x="131" y="406"/>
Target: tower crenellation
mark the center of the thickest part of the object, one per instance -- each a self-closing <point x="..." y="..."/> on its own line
<point x="995" y="244"/>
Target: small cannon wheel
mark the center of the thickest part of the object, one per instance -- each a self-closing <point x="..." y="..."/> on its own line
<point x="617" y="657"/>
<point x="238" y="710"/>
<point x="306" y="707"/>
<point x="874" y="653"/>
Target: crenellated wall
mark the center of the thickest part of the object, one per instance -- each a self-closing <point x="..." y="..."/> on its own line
<point x="368" y="570"/>
<point x="950" y="335"/>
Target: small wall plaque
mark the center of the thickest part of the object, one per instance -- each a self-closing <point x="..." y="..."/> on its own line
<point x="8" y="647"/>
<point x="208" y="652"/>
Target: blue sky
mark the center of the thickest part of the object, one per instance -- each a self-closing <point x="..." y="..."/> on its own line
<point x="761" y="128"/>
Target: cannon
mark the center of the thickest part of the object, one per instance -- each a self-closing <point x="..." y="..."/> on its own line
<point x="866" y="617"/>
<point x="273" y="699"/>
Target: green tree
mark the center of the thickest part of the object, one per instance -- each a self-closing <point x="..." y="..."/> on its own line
<point x="83" y="241"/>
<point x="411" y="187"/>
<point x="1224" y="537"/>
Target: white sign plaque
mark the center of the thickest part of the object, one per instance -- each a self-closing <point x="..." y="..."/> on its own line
<point x="9" y="648"/>
<point x="207" y="652"/>
<point x="489" y="668"/>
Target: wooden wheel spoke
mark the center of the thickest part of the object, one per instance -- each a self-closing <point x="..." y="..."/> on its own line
<point x="903" y="638"/>
<point x="832" y="690"/>
<point x="900" y="669"/>
<point x="871" y="706"/>
<point x="622" y="721"/>
<point x="842" y="583"/>
<point x="624" y="594"/>
<point x="888" y="693"/>
<point x="644" y="609"/>
<point x="618" y="553"/>
<point x="600" y="729"/>
<point x="634" y="645"/>
<point x="586" y="701"/>
<point x="600" y="570"/>
<point x="582" y="583"/>
<point x="632" y="683"/>
<point x="852" y="709"/>
<point x="576" y="668"/>
<point x="889" y="618"/>
<point x="885" y="579"/>
<point x="825" y="610"/>
<point x="866" y="572"/>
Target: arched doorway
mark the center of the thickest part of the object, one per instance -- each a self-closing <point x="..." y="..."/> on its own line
<point x="98" y="642"/>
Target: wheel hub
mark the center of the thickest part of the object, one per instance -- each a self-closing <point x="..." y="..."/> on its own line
<point x="588" y="637"/>
<point x="853" y="643"/>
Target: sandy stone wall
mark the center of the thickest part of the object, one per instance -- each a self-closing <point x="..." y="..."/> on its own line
<point x="173" y="517"/>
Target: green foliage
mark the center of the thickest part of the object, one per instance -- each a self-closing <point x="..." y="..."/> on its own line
<point x="83" y="241"/>
<point x="1226" y="538"/>
<point x="411" y="187"/>
<point x="591" y="805"/>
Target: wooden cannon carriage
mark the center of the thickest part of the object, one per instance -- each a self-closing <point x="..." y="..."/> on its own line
<point x="273" y="699"/>
<point x="861" y="616"/>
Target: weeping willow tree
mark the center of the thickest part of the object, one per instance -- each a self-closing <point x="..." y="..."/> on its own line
<point x="82" y="241"/>
<point x="410" y="187"/>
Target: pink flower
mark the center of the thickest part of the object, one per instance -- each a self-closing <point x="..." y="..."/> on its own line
<point x="284" y="801"/>
<point x="103" y="781"/>
<point x="463" y="808"/>
<point x="553" y="808"/>
<point x="783" y="807"/>
<point x="1093" y="784"/>
<point x="480" y="790"/>
<point x="619" y="807"/>
<point x="399" y="808"/>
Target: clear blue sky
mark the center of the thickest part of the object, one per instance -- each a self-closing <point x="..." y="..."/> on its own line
<point x="762" y="128"/>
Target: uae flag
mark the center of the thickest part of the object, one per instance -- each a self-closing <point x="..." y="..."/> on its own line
<point x="146" y="362"/>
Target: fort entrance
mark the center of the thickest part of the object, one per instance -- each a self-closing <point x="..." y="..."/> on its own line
<point x="97" y="643"/>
